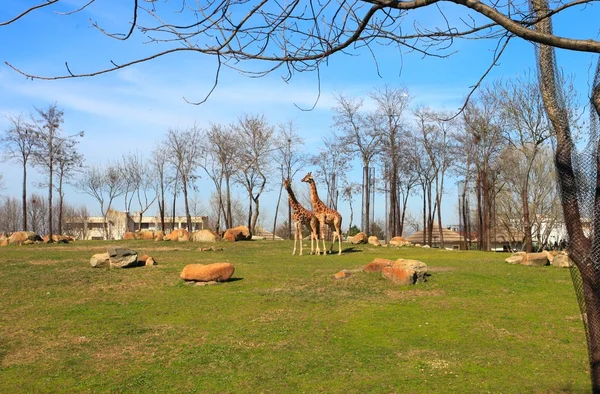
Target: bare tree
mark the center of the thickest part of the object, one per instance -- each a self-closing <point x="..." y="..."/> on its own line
<point x="68" y="163"/>
<point x="104" y="184"/>
<point x="255" y="139"/>
<point x="289" y="158"/>
<point x="388" y="121"/>
<point x="184" y="148"/>
<point x="10" y="215"/>
<point x="18" y="143"/>
<point x="483" y="123"/>
<point x="38" y="213"/>
<point x="219" y="164"/>
<point x="160" y="179"/>
<point x="361" y="137"/>
<point x="349" y="190"/>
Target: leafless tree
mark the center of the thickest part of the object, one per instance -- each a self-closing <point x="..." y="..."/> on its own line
<point x="361" y="137"/>
<point x="255" y="138"/>
<point x="482" y="122"/>
<point x="527" y="129"/>
<point x="18" y="143"/>
<point x="219" y="164"/>
<point x="184" y="149"/>
<point x="161" y="180"/>
<point x="48" y="146"/>
<point x="68" y="163"/>
<point x="389" y="122"/>
<point x="38" y="212"/>
<point x="10" y="215"/>
<point x="289" y="158"/>
<point x="104" y="184"/>
<point x="349" y="190"/>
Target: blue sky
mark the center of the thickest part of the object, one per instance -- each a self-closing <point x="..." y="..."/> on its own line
<point x="131" y="109"/>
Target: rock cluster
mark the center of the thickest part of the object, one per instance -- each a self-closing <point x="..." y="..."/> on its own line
<point x="541" y="259"/>
<point x="120" y="258"/>
<point x="402" y="271"/>
<point x="360" y="238"/>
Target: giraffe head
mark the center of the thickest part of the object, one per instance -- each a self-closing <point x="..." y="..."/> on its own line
<point x="308" y="178"/>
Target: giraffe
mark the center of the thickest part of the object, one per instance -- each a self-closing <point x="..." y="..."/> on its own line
<point x="326" y="215"/>
<point x="302" y="216"/>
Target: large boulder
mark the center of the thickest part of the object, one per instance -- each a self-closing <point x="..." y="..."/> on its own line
<point x="399" y="241"/>
<point x="562" y="260"/>
<point x="179" y="235"/>
<point x="400" y="276"/>
<point x="122" y="257"/>
<point x="373" y="240"/>
<point x="63" y="239"/>
<point x="536" y="259"/>
<point x="377" y="265"/>
<point x="145" y="234"/>
<point x="360" y="238"/>
<point x="240" y="233"/>
<point x="18" y="237"/>
<point x="218" y="272"/>
<point x="343" y="274"/>
<point x="418" y="267"/>
<point x="129" y="235"/>
<point x="205" y="235"/>
<point x="100" y="260"/>
<point x="515" y="259"/>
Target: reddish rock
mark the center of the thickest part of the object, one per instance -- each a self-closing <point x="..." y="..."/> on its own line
<point x="179" y="235"/>
<point x="400" y="276"/>
<point x="377" y="265"/>
<point x="145" y="234"/>
<point x="419" y="267"/>
<point x="4" y="242"/>
<point x="240" y="233"/>
<point x="149" y="262"/>
<point x="360" y="238"/>
<point x="343" y="274"/>
<point x="21" y="236"/>
<point x="218" y="272"/>
<point x="128" y="235"/>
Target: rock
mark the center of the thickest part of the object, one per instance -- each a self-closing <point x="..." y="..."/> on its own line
<point x="122" y="257"/>
<point x="399" y="241"/>
<point x="377" y="265"/>
<point x="128" y="235"/>
<point x="150" y="262"/>
<point x="218" y="272"/>
<point x="550" y="255"/>
<point x="159" y="236"/>
<point x="373" y="240"/>
<point x="360" y="238"/>
<point x="205" y="235"/>
<point x="179" y="235"/>
<point x="426" y="246"/>
<point x="399" y="275"/>
<point x="418" y="267"/>
<point x="562" y="260"/>
<point x="515" y="259"/>
<point x="146" y="260"/>
<point x="343" y="274"/>
<point x="417" y="245"/>
<point x="21" y="236"/>
<point x="100" y="260"/>
<point x="4" y="242"/>
<point x="240" y="233"/>
<point x="146" y="234"/>
<point x="27" y="242"/>
<point x="535" y="259"/>
<point x="210" y="249"/>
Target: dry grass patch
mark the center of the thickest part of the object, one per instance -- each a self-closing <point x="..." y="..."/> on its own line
<point x="413" y="294"/>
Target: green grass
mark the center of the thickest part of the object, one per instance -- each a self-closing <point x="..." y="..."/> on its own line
<point x="283" y="325"/>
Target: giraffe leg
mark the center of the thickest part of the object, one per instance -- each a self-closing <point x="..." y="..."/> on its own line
<point x="323" y="238"/>
<point x="339" y="231"/>
<point x="299" y="231"/>
<point x="294" y="251"/>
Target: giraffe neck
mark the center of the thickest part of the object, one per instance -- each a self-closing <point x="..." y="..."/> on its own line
<point x="293" y="201"/>
<point x="314" y="195"/>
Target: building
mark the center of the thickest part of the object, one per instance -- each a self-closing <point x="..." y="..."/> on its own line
<point x="452" y="239"/>
<point x="118" y="223"/>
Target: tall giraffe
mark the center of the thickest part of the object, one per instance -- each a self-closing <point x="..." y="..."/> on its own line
<point x="302" y="216"/>
<point x="326" y="215"/>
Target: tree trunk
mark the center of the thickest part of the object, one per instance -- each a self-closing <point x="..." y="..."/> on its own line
<point x="188" y="216"/>
<point x="229" y="219"/>
<point x="277" y="211"/>
<point x="50" y="195"/>
<point x="24" y="196"/>
<point x="526" y="221"/>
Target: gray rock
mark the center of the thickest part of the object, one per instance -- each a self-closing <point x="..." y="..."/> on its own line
<point x="122" y="257"/>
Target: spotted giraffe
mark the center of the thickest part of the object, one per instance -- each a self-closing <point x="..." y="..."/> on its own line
<point x="302" y="216"/>
<point x="325" y="215"/>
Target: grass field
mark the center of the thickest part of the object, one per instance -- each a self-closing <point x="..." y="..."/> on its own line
<point x="283" y="325"/>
